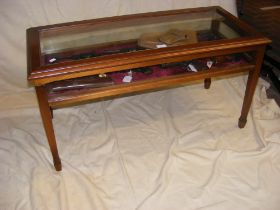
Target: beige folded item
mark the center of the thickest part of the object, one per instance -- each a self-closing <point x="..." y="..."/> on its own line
<point x="173" y="37"/>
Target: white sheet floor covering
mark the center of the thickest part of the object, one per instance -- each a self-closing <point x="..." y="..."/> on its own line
<point x="173" y="149"/>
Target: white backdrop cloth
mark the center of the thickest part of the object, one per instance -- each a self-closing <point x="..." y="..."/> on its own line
<point x="172" y="149"/>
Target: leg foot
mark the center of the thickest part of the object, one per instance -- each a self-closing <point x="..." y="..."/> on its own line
<point x="57" y="165"/>
<point x="242" y="122"/>
<point x="207" y="83"/>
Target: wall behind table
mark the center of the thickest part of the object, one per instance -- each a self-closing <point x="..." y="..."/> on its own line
<point x="18" y="15"/>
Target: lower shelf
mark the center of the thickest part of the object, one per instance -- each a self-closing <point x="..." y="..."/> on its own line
<point x="67" y="98"/>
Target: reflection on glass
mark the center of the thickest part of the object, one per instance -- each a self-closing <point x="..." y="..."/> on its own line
<point x="95" y="39"/>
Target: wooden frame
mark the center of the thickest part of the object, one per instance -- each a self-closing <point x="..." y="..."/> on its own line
<point x="41" y="75"/>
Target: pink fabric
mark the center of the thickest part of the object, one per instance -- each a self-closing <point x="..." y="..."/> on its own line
<point x="157" y="71"/>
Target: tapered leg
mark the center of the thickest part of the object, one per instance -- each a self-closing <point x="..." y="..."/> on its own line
<point x="207" y="83"/>
<point x="46" y="114"/>
<point x="215" y="25"/>
<point x="251" y="86"/>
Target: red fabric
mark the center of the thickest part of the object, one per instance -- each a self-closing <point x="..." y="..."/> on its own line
<point x="156" y="71"/>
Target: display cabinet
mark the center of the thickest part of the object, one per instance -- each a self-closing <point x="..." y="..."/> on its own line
<point x="88" y="60"/>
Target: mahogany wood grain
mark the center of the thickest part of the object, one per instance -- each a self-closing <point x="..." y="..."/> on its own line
<point x="33" y="50"/>
<point x="46" y="115"/>
<point x="251" y="86"/>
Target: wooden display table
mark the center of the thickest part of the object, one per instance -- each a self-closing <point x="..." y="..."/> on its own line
<point x="87" y="60"/>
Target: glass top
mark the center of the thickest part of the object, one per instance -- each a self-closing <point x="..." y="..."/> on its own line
<point x="101" y="38"/>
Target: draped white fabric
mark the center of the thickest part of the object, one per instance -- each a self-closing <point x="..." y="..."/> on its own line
<point x="172" y="149"/>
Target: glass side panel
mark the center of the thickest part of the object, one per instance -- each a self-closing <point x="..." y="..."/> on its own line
<point x="62" y="90"/>
<point x="141" y="33"/>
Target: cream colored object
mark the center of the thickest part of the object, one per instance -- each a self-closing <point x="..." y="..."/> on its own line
<point x="150" y="41"/>
<point x="174" y="149"/>
<point x="176" y="37"/>
<point x="173" y="37"/>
